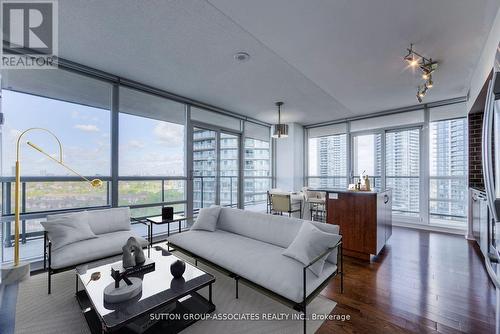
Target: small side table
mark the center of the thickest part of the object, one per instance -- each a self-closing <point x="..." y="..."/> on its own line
<point x="158" y="220"/>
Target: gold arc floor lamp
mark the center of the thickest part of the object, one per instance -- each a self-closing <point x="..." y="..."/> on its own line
<point x="21" y="270"/>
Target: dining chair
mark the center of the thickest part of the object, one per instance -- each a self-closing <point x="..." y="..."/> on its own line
<point x="283" y="203"/>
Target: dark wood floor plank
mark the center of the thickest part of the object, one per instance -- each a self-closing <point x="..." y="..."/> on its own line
<point x="421" y="282"/>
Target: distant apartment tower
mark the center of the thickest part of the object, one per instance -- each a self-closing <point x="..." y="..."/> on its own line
<point x="449" y="168"/>
<point x="332" y="162"/>
<point x="403" y="170"/>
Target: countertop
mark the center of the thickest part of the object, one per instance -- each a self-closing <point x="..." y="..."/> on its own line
<point x="329" y="190"/>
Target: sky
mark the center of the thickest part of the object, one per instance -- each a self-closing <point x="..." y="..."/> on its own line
<point x="147" y="147"/>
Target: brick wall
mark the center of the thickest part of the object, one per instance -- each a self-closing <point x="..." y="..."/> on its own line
<point x="475" y="159"/>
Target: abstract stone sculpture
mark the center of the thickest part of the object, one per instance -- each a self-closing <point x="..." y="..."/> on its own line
<point x="132" y="253"/>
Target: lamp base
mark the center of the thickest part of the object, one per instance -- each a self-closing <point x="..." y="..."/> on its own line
<point x="13" y="274"/>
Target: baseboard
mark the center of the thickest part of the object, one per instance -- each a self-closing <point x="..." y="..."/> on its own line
<point x="432" y="228"/>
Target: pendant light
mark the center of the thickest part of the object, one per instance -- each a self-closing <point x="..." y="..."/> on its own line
<point x="280" y="130"/>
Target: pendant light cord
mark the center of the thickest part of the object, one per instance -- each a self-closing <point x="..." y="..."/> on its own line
<point x="279" y="114"/>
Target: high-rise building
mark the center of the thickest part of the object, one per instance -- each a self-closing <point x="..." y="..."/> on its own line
<point x="448" y="168"/>
<point x="402" y="153"/>
<point x="332" y="162"/>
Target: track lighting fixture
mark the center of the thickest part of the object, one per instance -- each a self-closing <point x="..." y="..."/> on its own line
<point x="427" y="65"/>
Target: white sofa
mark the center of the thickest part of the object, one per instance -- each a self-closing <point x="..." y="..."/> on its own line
<point x="249" y="246"/>
<point x="111" y="229"/>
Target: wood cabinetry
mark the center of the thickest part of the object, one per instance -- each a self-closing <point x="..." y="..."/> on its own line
<point x="365" y="220"/>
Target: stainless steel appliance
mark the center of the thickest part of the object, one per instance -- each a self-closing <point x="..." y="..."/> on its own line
<point x="481" y="228"/>
<point x="491" y="171"/>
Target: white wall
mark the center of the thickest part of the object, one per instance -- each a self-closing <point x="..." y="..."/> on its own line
<point x="485" y="63"/>
<point x="290" y="159"/>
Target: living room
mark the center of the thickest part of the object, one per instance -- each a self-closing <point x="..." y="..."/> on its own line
<point x="216" y="166"/>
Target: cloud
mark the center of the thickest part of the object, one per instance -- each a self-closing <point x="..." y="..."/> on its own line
<point x="136" y="144"/>
<point x="14" y="134"/>
<point x="169" y="134"/>
<point x="87" y="127"/>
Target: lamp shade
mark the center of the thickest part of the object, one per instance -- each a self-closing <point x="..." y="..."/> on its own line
<point x="280" y="131"/>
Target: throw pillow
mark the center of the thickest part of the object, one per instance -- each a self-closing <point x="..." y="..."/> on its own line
<point x="207" y="219"/>
<point x="67" y="228"/>
<point x="310" y="243"/>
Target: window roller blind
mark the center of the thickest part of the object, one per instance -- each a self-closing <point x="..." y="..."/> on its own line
<point x="388" y="121"/>
<point x="327" y="130"/>
<point x="60" y="85"/>
<point x="142" y="104"/>
<point x="257" y="131"/>
<point x="213" y="118"/>
<point x="451" y="111"/>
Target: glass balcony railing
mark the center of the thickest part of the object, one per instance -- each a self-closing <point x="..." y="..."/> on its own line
<point x="43" y="196"/>
<point x="205" y="187"/>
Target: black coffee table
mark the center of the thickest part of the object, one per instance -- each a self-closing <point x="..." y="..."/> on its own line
<point x="163" y="306"/>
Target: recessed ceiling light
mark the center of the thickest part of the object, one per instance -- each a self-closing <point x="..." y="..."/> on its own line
<point x="241" y="57"/>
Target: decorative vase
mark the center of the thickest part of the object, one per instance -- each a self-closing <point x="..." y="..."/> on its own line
<point x="177" y="268"/>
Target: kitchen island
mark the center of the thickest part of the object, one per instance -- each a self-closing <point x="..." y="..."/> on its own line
<point x="364" y="217"/>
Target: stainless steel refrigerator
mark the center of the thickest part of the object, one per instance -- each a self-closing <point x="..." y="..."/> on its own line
<point x="491" y="171"/>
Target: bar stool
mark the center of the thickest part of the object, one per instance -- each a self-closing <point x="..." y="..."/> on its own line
<point x="317" y="204"/>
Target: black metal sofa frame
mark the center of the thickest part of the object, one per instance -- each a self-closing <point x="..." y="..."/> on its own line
<point x="300" y="307"/>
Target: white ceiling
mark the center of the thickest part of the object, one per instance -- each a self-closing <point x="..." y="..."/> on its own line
<point x="325" y="59"/>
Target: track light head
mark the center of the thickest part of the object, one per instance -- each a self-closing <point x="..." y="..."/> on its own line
<point x="421" y="91"/>
<point x="411" y="58"/>
<point x="429" y="83"/>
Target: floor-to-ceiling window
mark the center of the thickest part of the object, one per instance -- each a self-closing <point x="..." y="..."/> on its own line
<point x="77" y="110"/>
<point x="448" y="171"/>
<point x="421" y="155"/>
<point x="402" y="161"/>
<point x="216" y="159"/>
<point x="151" y="165"/>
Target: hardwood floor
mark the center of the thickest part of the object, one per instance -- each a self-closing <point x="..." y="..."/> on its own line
<point x="421" y="282"/>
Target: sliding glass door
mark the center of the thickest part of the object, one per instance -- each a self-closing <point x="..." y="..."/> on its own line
<point x="216" y="168"/>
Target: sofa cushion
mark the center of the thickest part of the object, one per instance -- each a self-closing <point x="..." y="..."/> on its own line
<point x="256" y="261"/>
<point x="109" y="220"/>
<point x="333" y="229"/>
<point x="310" y="243"/>
<point x="66" y="228"/>
<point x="276" y="230"/>
<point x="105" y="245"/>
<point x="207" y="219"/>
